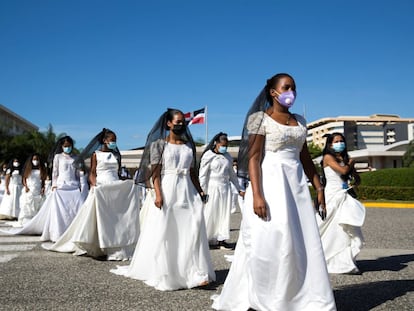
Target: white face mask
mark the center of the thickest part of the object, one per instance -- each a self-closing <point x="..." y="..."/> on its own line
<point x="35" y="162"/>
<point x="16" y="164"/>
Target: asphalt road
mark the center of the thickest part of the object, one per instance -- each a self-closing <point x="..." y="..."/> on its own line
<point x="34" y="279"/>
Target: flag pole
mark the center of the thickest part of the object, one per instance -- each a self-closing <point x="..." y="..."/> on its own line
<point x="205" y="117"/>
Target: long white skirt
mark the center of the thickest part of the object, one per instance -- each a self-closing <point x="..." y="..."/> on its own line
<point x="10" y="205"/>
<point x="279" y="263"/>
<point x="217" y="210"/>
<point x="30" y="204"/>
<point x="54" y="217"/>
<point x="341" y="233"/>
<point x="106" y="224"/>
<point x="172" y="252"/>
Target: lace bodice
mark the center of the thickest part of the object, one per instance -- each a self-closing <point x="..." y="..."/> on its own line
<point x="34" y="182"/>
<point x="278" y="136"/>
<point x="217" y="167"/>
<point x="65" y="174"/>
<point x="106" y="167"/>
<point x="174" y="156"/>
<point x="15" y="177"/>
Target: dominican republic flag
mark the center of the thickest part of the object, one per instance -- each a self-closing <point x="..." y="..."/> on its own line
<point x="195" y="117"/>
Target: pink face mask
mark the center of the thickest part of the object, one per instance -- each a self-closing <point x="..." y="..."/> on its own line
<point x="287" y="98"/>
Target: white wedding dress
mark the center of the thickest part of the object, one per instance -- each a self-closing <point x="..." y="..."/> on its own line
<point x="61" y="205"/>
<point x="107" y="224"/>
<point x="10" y="205"/>
<point x="341" y="233"/>
<point x="31" y="201"/>
<point x="2" y="186"/>
<point x="217" y="176"/>
<point x="278" y="264"/>
<point x="172" y="252"/>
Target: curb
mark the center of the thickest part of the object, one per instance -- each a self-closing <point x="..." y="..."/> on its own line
<point x="388" y="205"/>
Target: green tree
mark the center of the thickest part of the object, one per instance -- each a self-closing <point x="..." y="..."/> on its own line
<point x="21" y="146"/>
<point x="314" y="150"/>
<point x="408" y="157"/>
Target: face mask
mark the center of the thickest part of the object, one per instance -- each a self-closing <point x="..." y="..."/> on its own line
<point x="287" y="99"/>
<point x="178" y="129"/>
<point x="35" y="163"/>
<point x="339" y="146"/>
<point x="222" y="149"/>
<point x="67" y="149"/>
<point x="111" y="145"/>
<point x="16" y="164"/>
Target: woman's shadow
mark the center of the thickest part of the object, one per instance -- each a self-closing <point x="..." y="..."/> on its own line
<point x="220" y="278"/>
<point x="369" y="295"/>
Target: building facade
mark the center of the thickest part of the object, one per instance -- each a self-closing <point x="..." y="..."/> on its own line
<point x="13" y="124"/>
<point x="375" y="142"/>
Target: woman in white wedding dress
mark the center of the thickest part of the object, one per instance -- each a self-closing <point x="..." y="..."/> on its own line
<point x="341" y="233"/>
<point x="216" y="179"/>
<point x="172" y="252"/>
<point x="10" y="205"/>
<point x="32" y="198"/>
<point x="62" y="204"/>
<point x="278" y="263"/>
<point x="3" y="180"/>
<point x="107" y="224"/>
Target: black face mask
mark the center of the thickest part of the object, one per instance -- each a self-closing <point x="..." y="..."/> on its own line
<point x="178" y="129"/>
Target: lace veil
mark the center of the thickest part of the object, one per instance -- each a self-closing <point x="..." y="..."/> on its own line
<point x="154" y="147"/>
<point x="261" y="103"/>
<point x="211" y="145"/>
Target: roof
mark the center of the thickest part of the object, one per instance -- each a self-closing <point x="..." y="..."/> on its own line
<point x="15" y="115"/>
<point x="362" y="119"/>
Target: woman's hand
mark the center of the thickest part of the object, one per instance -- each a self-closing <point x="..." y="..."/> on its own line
<point x="158" y="201"/>
<point x="27" y="189"/>
<point x="241" y="193"/>
<point x="321" y="203"/>
<point x="259" y="207"/>
<point x="204" y="197"/>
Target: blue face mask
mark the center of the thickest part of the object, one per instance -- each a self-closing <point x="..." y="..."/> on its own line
<point x="339" y="146"/>
<point x="222" y="149"/>
<point x="67" y="149"/>
<point x="111" y="145"/>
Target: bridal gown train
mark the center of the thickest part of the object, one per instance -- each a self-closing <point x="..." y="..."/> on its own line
<point x="61" y="205"/>
<point x="172" y="252"/>
<point x="278" y="264"/>
<point x="107" y="223"/>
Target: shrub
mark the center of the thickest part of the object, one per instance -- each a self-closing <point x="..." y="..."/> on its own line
<point x="391" y="177"/>
<point x="385" y="184"/>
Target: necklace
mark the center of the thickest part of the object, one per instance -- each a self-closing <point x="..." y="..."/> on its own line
<point x="288" y="119"/>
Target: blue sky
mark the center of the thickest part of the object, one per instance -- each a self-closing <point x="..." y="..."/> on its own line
<point x="82" y="65"/>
